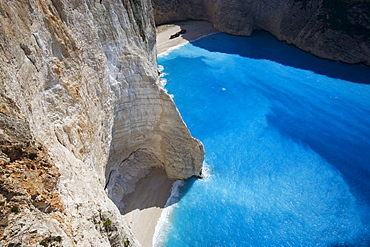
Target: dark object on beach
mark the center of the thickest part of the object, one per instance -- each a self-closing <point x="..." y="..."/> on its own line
<point x="174" y="35"/>
<point x="177" y="34"/>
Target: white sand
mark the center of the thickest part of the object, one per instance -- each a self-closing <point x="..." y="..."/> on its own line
<point x="146" y="203"/>
<point x="194" y="30"/>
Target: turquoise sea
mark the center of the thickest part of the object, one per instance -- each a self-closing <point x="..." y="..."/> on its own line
<point x="287" y="141"/>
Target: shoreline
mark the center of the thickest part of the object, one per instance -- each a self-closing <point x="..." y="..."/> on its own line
<point x="147" y="202"/>
<point x="145" y="205"/>
<point x="194" y="30"/>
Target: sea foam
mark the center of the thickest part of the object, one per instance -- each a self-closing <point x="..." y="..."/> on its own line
<point x="287" y="161"/>
<point x="163" y="227"/>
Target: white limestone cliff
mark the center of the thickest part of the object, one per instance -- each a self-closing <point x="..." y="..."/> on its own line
<point x="83" y="120"/>
<point x="82" y="77"/>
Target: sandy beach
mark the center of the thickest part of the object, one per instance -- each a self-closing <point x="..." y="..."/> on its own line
<point x="146" y="203"/>
<point x="194" y="30"/>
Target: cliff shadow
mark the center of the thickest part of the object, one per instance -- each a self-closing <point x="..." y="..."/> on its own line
<point x="154" y="190"/>
<point x="151" y="191"/>
<point x="263" y="45"/>
<point x="349" y="156"/>
<point x="143" y="208"/>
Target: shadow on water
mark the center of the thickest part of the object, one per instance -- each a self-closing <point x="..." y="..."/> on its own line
<point x="305" y="122"/>
<point x="347" y="152"/>
<point x="280" y="52"/>
<point x="350" y="153"/>
<point x="180" y="190"/>
<point x="306" y="117"/>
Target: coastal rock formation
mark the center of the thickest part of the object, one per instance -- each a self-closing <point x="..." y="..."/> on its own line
<point x="335" y="30"/>
<point x="30" y="207"/>
<point x="82" y="120"/>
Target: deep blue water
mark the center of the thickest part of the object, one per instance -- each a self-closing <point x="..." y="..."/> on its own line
<point x="287" y="140"/>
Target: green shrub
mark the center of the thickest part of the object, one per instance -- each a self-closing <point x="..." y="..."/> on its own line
<point x="45" y="242"/>
<point x="139" y="22"/>
<point x="14" y="245"/>
<point x="57" y="239"/>
<point x="15" y="209"/>
<point x="107" y="223"/>
<point x="137" y="2"/>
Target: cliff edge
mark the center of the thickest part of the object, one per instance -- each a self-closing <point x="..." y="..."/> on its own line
<point x="82" y="120"/>
<point x="336" y="30"/>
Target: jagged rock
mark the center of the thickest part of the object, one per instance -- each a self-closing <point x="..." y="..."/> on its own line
<point x="336" y="30"/>
<point x="30" y="206"/>
<point x="81" y="77"/>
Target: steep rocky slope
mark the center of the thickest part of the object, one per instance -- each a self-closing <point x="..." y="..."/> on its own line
<point x="82" y="120"/>
<point x="30" y="206"/>
<point x="337" y="30"/>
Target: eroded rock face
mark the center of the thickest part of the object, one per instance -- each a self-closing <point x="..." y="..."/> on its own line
<point x="31" y="210"/>
<point x="81" y="78"/>
<point x="336" y="30"/>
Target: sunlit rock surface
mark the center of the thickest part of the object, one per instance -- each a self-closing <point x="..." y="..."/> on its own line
<point x="80" y="78"/>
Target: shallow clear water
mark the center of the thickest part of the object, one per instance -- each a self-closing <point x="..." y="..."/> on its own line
<point x="287" y="140"/>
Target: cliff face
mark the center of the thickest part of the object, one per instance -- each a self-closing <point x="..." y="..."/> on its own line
<point x="82" y="119"/>
<point x="337" y="30"/>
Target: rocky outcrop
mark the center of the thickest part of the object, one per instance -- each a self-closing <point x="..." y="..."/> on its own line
<point x="83" y="120"/>
<point x="30" y="208"/>
<point x="335" y="30"/>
